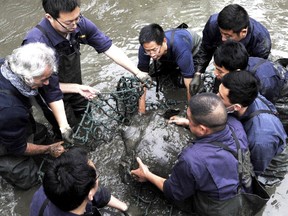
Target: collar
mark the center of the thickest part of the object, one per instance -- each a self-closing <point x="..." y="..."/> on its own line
<point x="258" y="104"/>
<point x="219" y="136"/>
<point x="17" y="82"/>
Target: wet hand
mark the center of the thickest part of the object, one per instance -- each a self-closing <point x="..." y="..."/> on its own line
<point x="132" y="211"/>
<point x="56" y="149"/>
<point x="144" y="77"/>
<point x="88" y="92"/>
<point x="178" y="121"/>
<point x="140" y="173"/>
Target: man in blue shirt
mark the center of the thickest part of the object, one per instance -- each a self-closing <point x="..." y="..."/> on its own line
<point x="64" y="28"/>
<point x="204" y="169"/>
<point x="272" y="76"/>
<point x="232" y="23"/>
<point x="173" y="49"/>
<point x="265" y="132"/>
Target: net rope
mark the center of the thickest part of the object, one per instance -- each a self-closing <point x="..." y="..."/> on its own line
<point x="104" y="114"/>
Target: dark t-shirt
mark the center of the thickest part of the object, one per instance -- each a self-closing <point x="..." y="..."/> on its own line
<point x="14" y="118"/>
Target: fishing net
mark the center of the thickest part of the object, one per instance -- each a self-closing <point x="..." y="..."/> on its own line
<point x="105" y="114"/>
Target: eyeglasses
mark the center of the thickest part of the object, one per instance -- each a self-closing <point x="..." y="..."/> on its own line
<point x="69" y="24"/>
<point x="155" y="50"/>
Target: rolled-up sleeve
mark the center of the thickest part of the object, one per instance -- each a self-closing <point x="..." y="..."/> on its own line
<point x="52" y="92"/>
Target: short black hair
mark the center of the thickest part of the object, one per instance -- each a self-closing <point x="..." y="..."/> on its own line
<point x="208" y="109"/>
<point x="243" y="87"/>
<point x="151" y="32"/>
<point x="231" y="55"/>
<point x="69" y="179"/>
<point x="54" y="7"/>
<point x="233" y="17"/>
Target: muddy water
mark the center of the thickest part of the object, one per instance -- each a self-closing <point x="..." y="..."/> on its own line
<point x="122" y="20"/>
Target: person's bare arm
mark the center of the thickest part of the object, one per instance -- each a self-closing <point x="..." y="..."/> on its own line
<point x="143" y="174"/>
<point x="118" y="56"/>
<point x="179" y="121"/>
<point x="86" y="91"/>
<point x="55" y="149"/>
<point x="118" y="204"/>
<point x="58" y="110"/>
<point x="187" y="84"/>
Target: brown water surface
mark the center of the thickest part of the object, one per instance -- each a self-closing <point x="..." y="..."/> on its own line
<point x="122" y="21"/>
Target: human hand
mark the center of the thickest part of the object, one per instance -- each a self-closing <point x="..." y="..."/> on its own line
<point x="67" y="134"/>
<point x="178" y="121"/>
<point x="144" y="77"/>
<point x="196" y="85"/>
<point x="140" y="173"/>
<point x="87" y="91"/>
<point x="132" y="211"/>
<point x="56" y="149"/>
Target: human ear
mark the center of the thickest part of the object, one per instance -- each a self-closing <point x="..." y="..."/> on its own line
<point x="164" y="43"/>
<point x="244" y="32"/>
<point x="202" y="130"/>
<point x="49" y="17"/>
<point x="237" y="107"/>
<point x="91" y="194"/>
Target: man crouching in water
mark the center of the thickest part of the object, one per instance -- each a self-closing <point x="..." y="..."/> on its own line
<point x="207" y="176"/>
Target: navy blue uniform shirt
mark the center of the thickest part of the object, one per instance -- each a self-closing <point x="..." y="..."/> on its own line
<point x="204" y="167"/>
<point x="257" y="42"/>
<point x="90" y="35"/>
